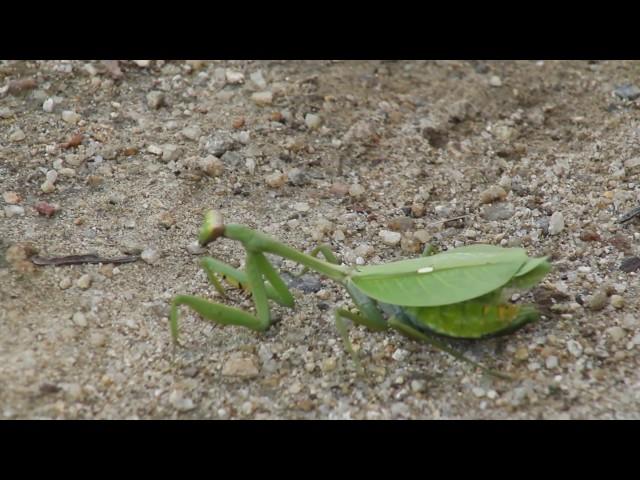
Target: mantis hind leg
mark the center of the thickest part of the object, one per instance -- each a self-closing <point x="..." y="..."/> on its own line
<point x="408" y="330"/>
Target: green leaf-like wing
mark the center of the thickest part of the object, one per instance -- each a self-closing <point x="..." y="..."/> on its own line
<point x="530" y="274"/>
<point x="450" y="277"/>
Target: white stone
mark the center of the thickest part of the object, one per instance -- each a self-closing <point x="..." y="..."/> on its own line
<point x="234" y="77"/>
<point x="79" y="319"/>
<point x="556" y="223"/>
<point x="17" y="136"/>
<point x="495" y="81"/>
<point x="84" y="281"/>
<point x="48" y="105"/>
<point x="258" y="80"/>
<point x="192" y="133"/>
<point x="13" y="211"/>
<point x="313" y="121"/>
<point x="70" y="117"/>
<point x="150" y="255"/>
<point x="262" y="98"/>
<point x="389" y="237"/>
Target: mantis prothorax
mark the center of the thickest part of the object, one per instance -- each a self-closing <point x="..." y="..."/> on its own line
<point x="459" y="293"/>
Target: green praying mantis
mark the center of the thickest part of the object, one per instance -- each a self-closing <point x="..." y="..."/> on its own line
<point x="461" y="293"/>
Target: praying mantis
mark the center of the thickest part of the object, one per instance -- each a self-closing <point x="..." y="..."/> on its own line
<point x="461" y="293"/>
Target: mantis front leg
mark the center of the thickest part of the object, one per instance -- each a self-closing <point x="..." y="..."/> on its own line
<point x="258" y="269"/>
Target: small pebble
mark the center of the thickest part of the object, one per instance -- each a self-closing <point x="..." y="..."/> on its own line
<point x="67" y="172"/>
<point x="478" y="392"/>
<point x="79" y="319"/>
<point x="556" y="223"/>
<point x="389" y="237"/>
<point x="499" y="211"/>
<point x="150" y="255"/>
<point x="313" y="121"/>
<point x="399" y="409"/>
<point x="495" y="81"/>
<point x="276" y="179"/>
<point x="262" y="98"/>
<point x="627" y="91"/>
<point x="11" y="198"/>
<point x="154" y="149"/>
<point x="418" y="210"/>
<point x="297" y="177"/>
<point x="46" y="209"/>
<point x="492" y="194"/>
<point x="401" y="224"/>
<point x="329" y="364"/>
<point x="356" y="190"/>
<point x="65" y="283"/>
<point x="194" y="248"/>
<point x="70" y="117"/>
<point x="599" y="300"/>
<point x="616" y="333"/>
<point x="74" y="391"/>
<point x="400" y="354"/>
<point x="155" y="99"/>
<point x="191" y="133"/>
<point x="339" y="189"/>
<point x="258" y="80"/>
<point x="617" y="301"/>
<point x="48" y="105"/>
<point x="551" y="362"/>
<point x="239" y="366"/>
<point x="13" y="211"/>
<point x="211" y="166"/>
<point x="522" y="353"/>
<point x="418" y="386"/>
<point x="179" y="402"/>
<point x="232" y="158"/>
<point x="97" y="339"/>
<point x="52" y="176"/>
<point x="301" y="207"/>
<point x="167" y="220"/>
<point x="171" y="152"/>
<point x="630" y="321"/>
<point x="233" y="77"/>
<point x="574" y="348"/>
<point x="338" y="236"/>
<point x="422" y="235"/>
<point x="364" y="250"/>
<point x="17" y="136"/>
<point x="84" y="281"/>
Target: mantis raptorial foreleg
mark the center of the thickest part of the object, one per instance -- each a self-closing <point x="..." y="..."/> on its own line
<point x="238" y="279"/>
<point x="258" y="272"/>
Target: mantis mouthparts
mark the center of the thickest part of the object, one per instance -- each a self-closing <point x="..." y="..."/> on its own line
<point x="212" y="228"/>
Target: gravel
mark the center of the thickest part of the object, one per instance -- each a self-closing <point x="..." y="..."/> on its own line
<point x="429" y="141"/>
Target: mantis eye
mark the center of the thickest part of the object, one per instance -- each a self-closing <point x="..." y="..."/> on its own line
<point x="212" y="228"/>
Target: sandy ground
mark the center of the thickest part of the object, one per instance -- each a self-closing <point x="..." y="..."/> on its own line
<point x="544" y="155"/>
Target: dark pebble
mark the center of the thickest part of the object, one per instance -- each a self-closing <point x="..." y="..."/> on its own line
<point x="630" y="264"/>
<point x="627" y="91"/>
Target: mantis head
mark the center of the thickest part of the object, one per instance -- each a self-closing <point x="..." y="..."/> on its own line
<point x="212" y="228"/>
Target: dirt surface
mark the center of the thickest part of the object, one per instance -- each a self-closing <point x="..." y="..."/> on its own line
<point x="127" y="157"/>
